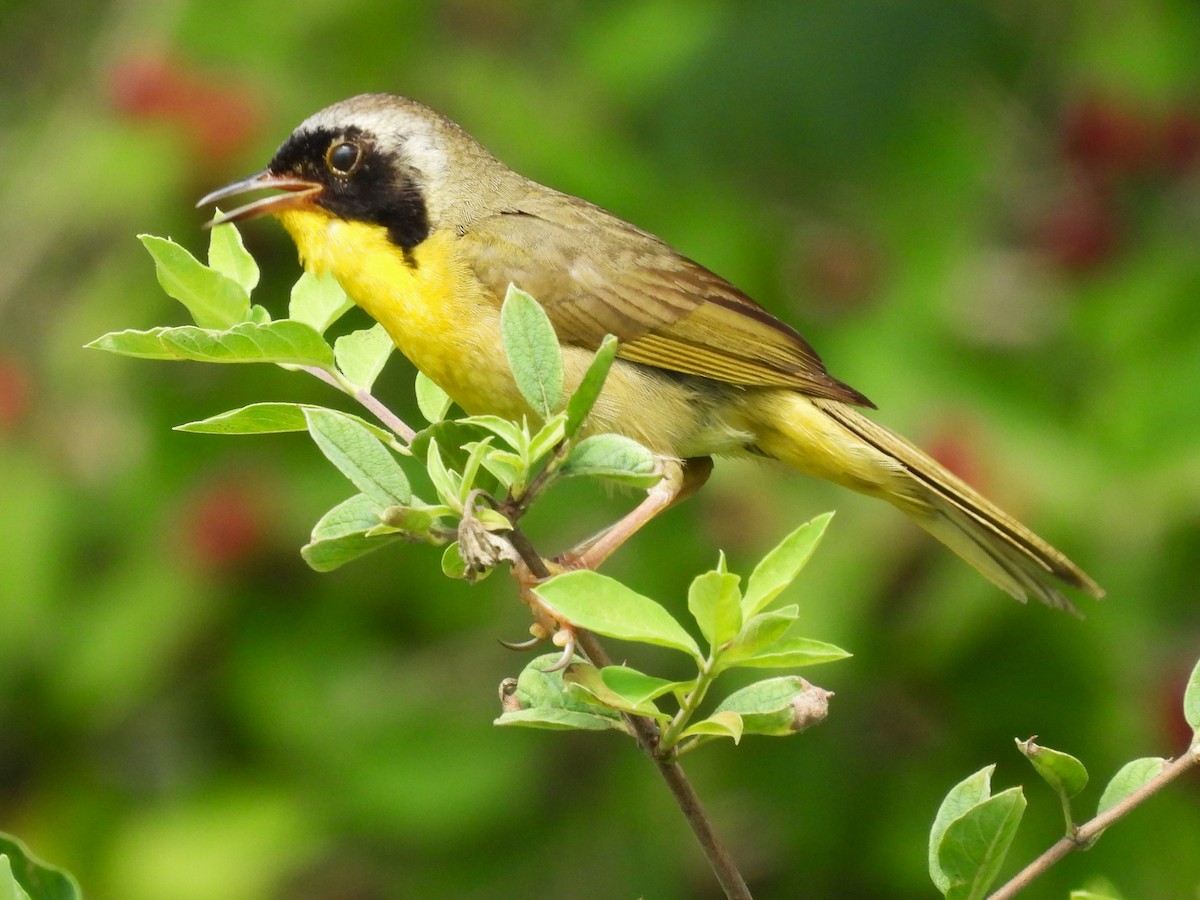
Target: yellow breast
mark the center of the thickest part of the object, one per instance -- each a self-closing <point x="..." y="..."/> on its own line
<point x="441" y="318"/>
<point x="430" y="303"/>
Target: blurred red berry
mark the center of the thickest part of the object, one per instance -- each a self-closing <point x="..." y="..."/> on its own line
<point x="145" y="87"/>
<point x="1180" y="141"/>
<point x="1104" y="139"/>
<point x="14" y="395"/>
<point x="1179" y="732"/>
<point x="225" y="525"/>
<point x="955" y="449"/>
<point x="1081" y="233"/>
<point x="219" y="117"/>
<point x="842" y="270"/>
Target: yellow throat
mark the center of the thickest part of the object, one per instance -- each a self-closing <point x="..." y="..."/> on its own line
<point x="428" y="301"/>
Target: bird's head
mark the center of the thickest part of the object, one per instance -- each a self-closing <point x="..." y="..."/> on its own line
<point x="376" y="159"/>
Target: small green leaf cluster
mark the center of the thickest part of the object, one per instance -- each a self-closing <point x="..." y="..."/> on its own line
<point x="230" y="329"/>
<point x="739" y="627"/>
<point x="24" y="877"/>
<point x="974" y="828"/>
<point x="487" y="470"/>
<point x="484" y="470"/>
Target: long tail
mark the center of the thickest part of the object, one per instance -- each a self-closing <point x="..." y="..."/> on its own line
<point x="1000" y="547"/>
<point x="995" y="543"/>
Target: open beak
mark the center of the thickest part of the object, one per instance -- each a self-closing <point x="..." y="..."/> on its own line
<point x="297" y="193"/>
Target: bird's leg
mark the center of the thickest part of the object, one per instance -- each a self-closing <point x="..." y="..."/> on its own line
<point x="681" y="479"/>
<point x="545" y="625"/>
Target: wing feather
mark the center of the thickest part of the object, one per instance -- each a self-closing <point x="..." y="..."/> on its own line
<point x="595" y="274"/>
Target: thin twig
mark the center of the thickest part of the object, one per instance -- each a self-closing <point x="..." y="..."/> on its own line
<point x="385" y="415"/>
<point x="525" y="549"/>
<point x="647" y="733"/>
<point x="368" y="400"/>
<point x="1087" y="833"/>
<point x="325" y="376"/>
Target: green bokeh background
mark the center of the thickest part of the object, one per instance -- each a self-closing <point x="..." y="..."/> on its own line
<point x="984" y="215"/>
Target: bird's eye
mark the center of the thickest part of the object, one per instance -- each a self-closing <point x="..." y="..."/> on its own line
<point x="343" y="157"/>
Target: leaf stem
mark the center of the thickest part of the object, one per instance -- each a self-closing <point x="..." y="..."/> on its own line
<point x="385" y="415"/>
<point x="1085" y="835"/>
<point x="367" y="399"/>
<point x="541" y="480"/>
<point x="1072" y="829"/>
<point x="649" y="738"/>
<point x="689" y="704"/>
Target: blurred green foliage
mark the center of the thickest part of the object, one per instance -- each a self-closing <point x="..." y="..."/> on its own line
<point x="985" y="215"/>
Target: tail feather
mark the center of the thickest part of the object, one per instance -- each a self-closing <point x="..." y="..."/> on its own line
<point x="1000" y="547"/>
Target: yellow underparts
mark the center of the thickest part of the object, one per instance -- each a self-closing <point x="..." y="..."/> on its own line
<point x="429" y="303"/>
<point x="791" y="428"/>
<point x="441" y="319"/>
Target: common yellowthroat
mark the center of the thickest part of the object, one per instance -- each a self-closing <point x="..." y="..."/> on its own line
<point x="425" y="230"/>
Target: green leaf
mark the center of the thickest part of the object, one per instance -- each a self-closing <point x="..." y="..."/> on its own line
<point x="615" y="457"/>
<point x="715" y="603"/>
<point x="638" y="687"/>
<point x="533" y="351"/>
<point x="1191" y="700"/>
<point x="355" y="514"/>
<point x="228" y="255"/>
<point x="454" y="439"/>
<point x="554" y="718"/>
<point x="1096" y="888"/>
<point x="446" y="484"/>
<point x="973" y="848"/>
<point x="604" y="605"/>
<point x="581" y="402"/>
<point x="432" y="401"/>
<point x="35" y="879"/>
<point x="588" y="678"/>
<point x="453" y="565"/>
<point x="360" y="456"/>
<point x="9" y="889"/>
<point x="543" y="699"/>
<point x="214" y="299"/>
<point x="504" y="467"/>
<point x="776" y="706"/>
<point x="282" y="342"/>
<point x="761" y="631"/>
<point x="414" y="520"/>
<point x="786" y="653"/>
<point x="492" y="519"/>
<point x="331" y="553"/>
<point x="537" y="685"/>
<point x="470" y="472"/>
<point x="507" y="431"/>
<point x="318" y="302"/>
<point x="341" y="534"/>
<point x="267" y="418"/>
<point x="1128" y="779"/>
<point x="362" y="354"/>
<point x="547" y="438"/>
<point x="719" y="724"/>
<point x="780" y="567"/>
<point x="1063" y="772"/>
<point x="969" y="792"/>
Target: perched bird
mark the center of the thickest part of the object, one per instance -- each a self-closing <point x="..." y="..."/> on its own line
<point x="425" y="230"/>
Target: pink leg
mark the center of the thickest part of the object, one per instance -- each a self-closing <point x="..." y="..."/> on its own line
<point x="681" y="479"/>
